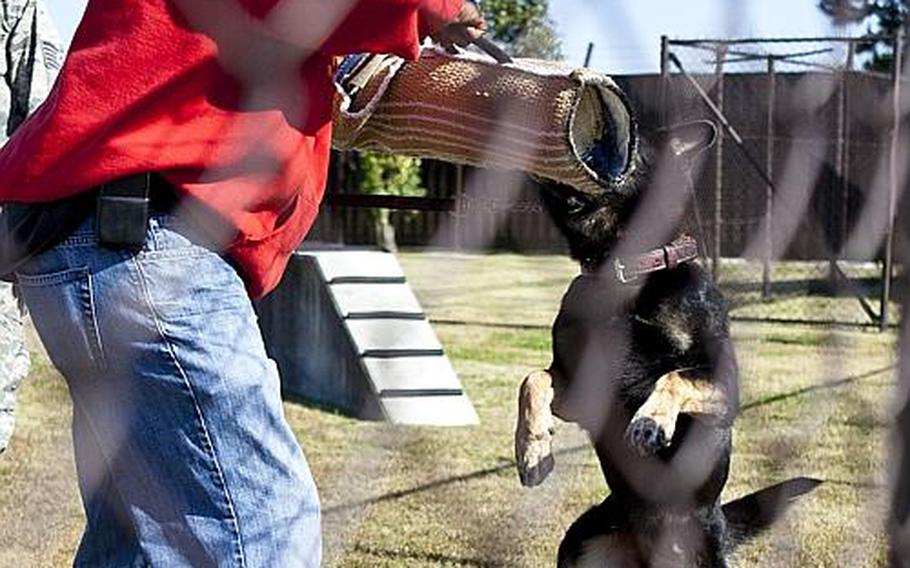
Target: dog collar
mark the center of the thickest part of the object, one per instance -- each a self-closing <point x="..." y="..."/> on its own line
<point x="629" y="269"/>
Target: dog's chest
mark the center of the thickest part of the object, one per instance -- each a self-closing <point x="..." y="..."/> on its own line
<point x="620" y="551"/>
<point x="607" y="550"/>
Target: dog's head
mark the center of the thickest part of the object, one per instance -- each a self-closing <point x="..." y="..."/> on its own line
<point x="659" y="182"/>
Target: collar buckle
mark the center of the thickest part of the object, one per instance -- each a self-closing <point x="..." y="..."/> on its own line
<point x="620" y="269"/>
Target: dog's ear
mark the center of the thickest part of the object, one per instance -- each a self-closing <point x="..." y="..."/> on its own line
<point x="691" y="138"/>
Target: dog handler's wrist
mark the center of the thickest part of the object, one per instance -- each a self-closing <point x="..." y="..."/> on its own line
<point x="436" y="14"/>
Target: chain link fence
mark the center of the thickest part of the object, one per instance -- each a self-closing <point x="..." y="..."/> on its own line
<point x="795" y="195"/>
<point x="792" y="204"/>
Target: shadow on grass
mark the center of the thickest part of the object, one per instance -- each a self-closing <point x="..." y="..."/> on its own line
<point x="493" y="325"/>
<point x="304" y="402"/>
<point x="825" y="386"/>
<point x="867" y="291"/>
<point x="472" y="291"/>
<point x="510" y="464"/>
<point x="432" y="557"/>
<point x="856" y="484"/>
<point x="394" y="495"/>
<point x="819" y="286"/>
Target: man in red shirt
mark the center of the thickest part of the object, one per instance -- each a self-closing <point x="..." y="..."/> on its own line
<point x="218" y="113"/>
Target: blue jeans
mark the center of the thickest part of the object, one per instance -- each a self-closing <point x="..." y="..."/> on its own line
<point x="183" y="453"/>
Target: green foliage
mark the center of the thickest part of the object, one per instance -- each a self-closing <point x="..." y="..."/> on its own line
<point x="509" y="18"/>
<point x="390" y="175"/>
<point x="881" y="17"/>
<point x="524" y="27"/>
<point x="539" y="41"/>
<point x="845" y="11"/>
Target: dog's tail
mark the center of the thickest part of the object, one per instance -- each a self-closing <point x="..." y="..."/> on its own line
<point x="750" y="515"/>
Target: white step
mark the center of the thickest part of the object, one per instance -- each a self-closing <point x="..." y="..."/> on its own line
<point x="372" y="298"/>
<point x="430" y="410"/>
<point x="393" y="335"/>
<point x="357" y="264"/>
<point x="412" y="373"/>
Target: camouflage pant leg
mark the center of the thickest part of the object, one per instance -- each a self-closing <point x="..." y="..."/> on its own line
<point x="14" y="360"/>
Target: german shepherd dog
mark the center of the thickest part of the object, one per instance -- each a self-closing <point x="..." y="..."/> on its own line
<point x="643" y="361"/>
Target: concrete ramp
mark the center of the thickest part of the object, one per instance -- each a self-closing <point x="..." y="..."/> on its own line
<point x="347" y="332"/>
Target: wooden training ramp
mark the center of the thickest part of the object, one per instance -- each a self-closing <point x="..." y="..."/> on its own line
<point x="347" y="332"/>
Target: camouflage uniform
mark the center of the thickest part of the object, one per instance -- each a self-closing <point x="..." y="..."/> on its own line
<point x="28" y="66"/>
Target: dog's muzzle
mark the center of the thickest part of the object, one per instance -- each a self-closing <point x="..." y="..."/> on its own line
<point x="573" y="126"/>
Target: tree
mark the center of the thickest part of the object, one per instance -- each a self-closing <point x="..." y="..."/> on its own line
<point x="388" y="175"/>
<point x="539" y="40"/>
<point x="523" y="27"/>
<point x="882" y="17"/>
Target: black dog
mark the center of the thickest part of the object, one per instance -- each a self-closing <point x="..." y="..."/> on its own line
<point x="643" y="361"/>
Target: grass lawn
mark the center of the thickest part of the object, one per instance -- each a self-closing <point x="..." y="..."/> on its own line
<point x="816" y="403"/>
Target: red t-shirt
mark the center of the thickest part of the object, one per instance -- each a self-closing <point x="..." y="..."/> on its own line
<point x="230" y="100"/>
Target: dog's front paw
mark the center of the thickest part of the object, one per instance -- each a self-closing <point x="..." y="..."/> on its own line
<point x="534" y="432"/>
<point x="534" y="455"/>
<point x="646" y="436"/>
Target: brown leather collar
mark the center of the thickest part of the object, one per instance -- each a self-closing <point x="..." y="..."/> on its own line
<point x="683" y="249"/>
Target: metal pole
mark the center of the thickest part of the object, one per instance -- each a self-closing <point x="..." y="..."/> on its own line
<point x="589" y="54"/>
<point x="844" y="172"/>
<point x="769" y="191"/>
<point x="893" y="181"/>
<point x="336" y="228"/>
<point x="719" y="167"/>
<point x="838" y="232"/>
<point x="457" y="226"/>
<point x="664" y="78"/>
<point x="851" y="54"/>
<point x="740" y="41"/>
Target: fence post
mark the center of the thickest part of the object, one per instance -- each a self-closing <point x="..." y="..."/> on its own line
<point x="843" y="162"/>
<point x="769" y="191"/>
<point x="336" y="227"/>
<point x="847" y="134"/>
<point x="457" y="229"/>
<point x="841" y="167"/>
<point x="893" y="168"/>
<point x="721" y="51"/>
<point x="664" y="78"/>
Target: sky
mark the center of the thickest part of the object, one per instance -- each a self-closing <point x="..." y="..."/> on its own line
<point x="626" y="33"/>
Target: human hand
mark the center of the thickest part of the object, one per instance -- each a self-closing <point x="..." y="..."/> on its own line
<point x="467" y="27"/>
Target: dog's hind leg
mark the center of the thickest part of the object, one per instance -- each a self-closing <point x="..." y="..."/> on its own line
<point x="534" y="432"/>
<point x="654" y="424"/>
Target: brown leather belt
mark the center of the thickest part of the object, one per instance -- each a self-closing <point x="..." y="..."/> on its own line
<point x="683" y="249"/>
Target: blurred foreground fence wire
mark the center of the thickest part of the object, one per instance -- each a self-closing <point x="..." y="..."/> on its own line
<point x="816" y="246"/>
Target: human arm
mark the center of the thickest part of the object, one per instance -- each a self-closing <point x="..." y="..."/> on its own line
<point x="343" y="27"/>
<point x="464" y="30"/>
<point x="447" y="21"/>
<point x="33" y="54"/>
